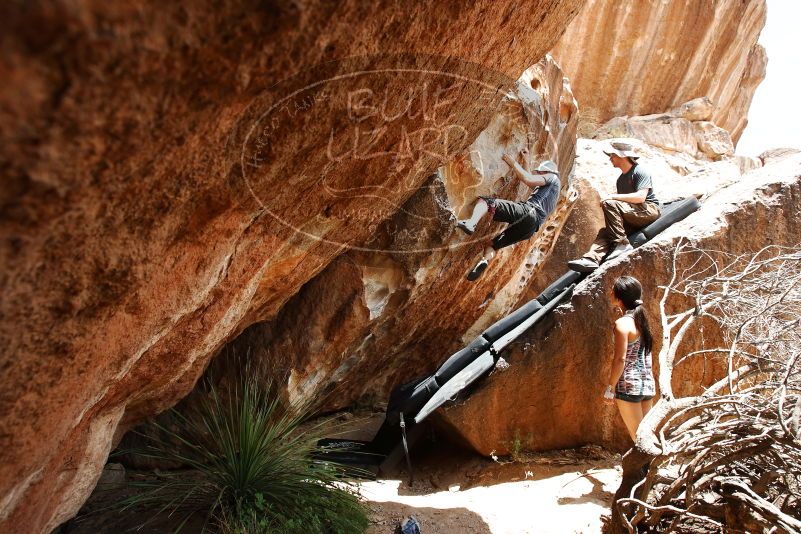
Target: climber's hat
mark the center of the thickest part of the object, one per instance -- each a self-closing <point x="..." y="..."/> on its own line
<point x="623" y="150"/>
<point x="547" y="167"/>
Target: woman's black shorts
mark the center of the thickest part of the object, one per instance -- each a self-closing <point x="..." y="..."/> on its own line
<point x="524" y="220"/>
<point x="632" y="398"/>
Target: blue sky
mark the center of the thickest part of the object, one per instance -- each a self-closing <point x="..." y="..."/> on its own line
<point x="774" y="119"/>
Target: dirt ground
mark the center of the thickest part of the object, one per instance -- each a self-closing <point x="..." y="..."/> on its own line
<point x="555" y="492"/>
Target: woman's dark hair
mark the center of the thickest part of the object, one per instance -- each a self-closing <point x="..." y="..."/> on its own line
<point x="629" y="291"/>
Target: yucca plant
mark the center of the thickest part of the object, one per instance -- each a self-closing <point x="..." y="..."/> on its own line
<point x="249" y="469"/>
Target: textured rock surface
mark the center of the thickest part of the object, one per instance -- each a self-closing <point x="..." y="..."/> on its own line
<point x="673" y="132"/>
<point x="713" y="140"/>
<point x="777" y="154"/>
<point x="155" y="204"/>
<point x="645" y="57"/>
<point x="697" y="109"/>
<point x="373" y="319"/>
<point x="662" y="131"/>
<point x="550" y="397"/>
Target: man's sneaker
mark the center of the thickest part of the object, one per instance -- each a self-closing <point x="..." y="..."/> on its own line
<point x="465" y="226"/>
<point x="478" y="270"/>
<point x="582" y="265"/>
<point x="619" y="250"/>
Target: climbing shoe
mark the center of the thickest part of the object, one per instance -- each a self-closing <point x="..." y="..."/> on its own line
<point x="478" y="270"/>
<point x="582" y="265"/>
<point x="619" y="250"/>
<point x="465" y="226"/>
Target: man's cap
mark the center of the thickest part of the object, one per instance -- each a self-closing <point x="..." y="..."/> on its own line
<point x="623" y="150"/>
<point x="548" y="166"/>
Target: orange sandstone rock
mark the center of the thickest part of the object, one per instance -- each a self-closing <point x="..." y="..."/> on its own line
<point x="394" y="310"/>
<point x="175" y="173"/>
<point x="645" y="57"/>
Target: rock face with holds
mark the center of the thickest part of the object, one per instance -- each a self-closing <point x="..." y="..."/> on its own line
<point x="644" y="57"/>
<point x="395" y="309"/>
<point x="173" y="175"/>
<point x="551" y="395"/>
<point x="175" y="178"/>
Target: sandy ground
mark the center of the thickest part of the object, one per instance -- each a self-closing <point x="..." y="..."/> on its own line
<point x="559" y="492"/>
<point x="457" y="491"/>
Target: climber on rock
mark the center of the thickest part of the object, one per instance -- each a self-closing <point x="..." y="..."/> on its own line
<point x="633" y="207"/>
<point x="524" y="218"/>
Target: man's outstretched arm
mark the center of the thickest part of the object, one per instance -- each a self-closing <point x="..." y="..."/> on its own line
<point x="531" y="180"/>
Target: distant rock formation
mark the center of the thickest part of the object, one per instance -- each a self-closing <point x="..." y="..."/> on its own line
<point x="551" y="395"/>
<point x="174" y="173"/>
<point x="685" y="130"/>
<point x="641" y="58"/>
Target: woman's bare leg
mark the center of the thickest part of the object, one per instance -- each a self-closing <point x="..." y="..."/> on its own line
<point x="646" y="406"/>
<point x="632" y="415"/>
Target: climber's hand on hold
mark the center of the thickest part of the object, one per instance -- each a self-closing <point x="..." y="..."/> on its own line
<point x="508" y="160"/>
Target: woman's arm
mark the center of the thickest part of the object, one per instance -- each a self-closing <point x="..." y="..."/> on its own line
<point x="619" y="354"/>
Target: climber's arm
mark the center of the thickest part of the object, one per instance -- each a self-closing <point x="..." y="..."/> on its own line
<point x="531" y="180"/>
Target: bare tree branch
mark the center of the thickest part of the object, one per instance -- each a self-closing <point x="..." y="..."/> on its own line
<point x="729" y="455"/>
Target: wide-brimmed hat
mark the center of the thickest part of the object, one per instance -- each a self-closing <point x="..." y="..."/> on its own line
<point x="624" y="150"/>
<point x="547" y="166"/>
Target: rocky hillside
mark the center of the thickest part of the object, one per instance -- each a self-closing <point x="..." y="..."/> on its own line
<point x="640" y="58"/>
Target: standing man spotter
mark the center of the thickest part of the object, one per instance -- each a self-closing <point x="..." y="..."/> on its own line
<point x="633" y="207"/>
<point x="524" y="218"/>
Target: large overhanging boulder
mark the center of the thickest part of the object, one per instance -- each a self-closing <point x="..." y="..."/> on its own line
<point x="398" y="306"/>
<point x="551" y="396"/>
<point x="173" y="174"/>
<point x="640" y="58"/>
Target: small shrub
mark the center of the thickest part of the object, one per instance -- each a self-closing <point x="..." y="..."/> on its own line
<point x="250" y="469"/>
<point x="517" y="446"/>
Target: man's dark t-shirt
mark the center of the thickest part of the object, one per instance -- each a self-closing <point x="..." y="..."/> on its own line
<point x="545" y="196"/>
<point x="637" y="178"/>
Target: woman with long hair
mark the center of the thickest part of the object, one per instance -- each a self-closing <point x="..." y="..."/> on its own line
<point x="631" y="381"/>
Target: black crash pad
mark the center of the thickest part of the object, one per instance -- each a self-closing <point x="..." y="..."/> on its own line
<point x="460" y="359"/>
<point x="508" y="323"/>
<point x="672" y="213"/>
